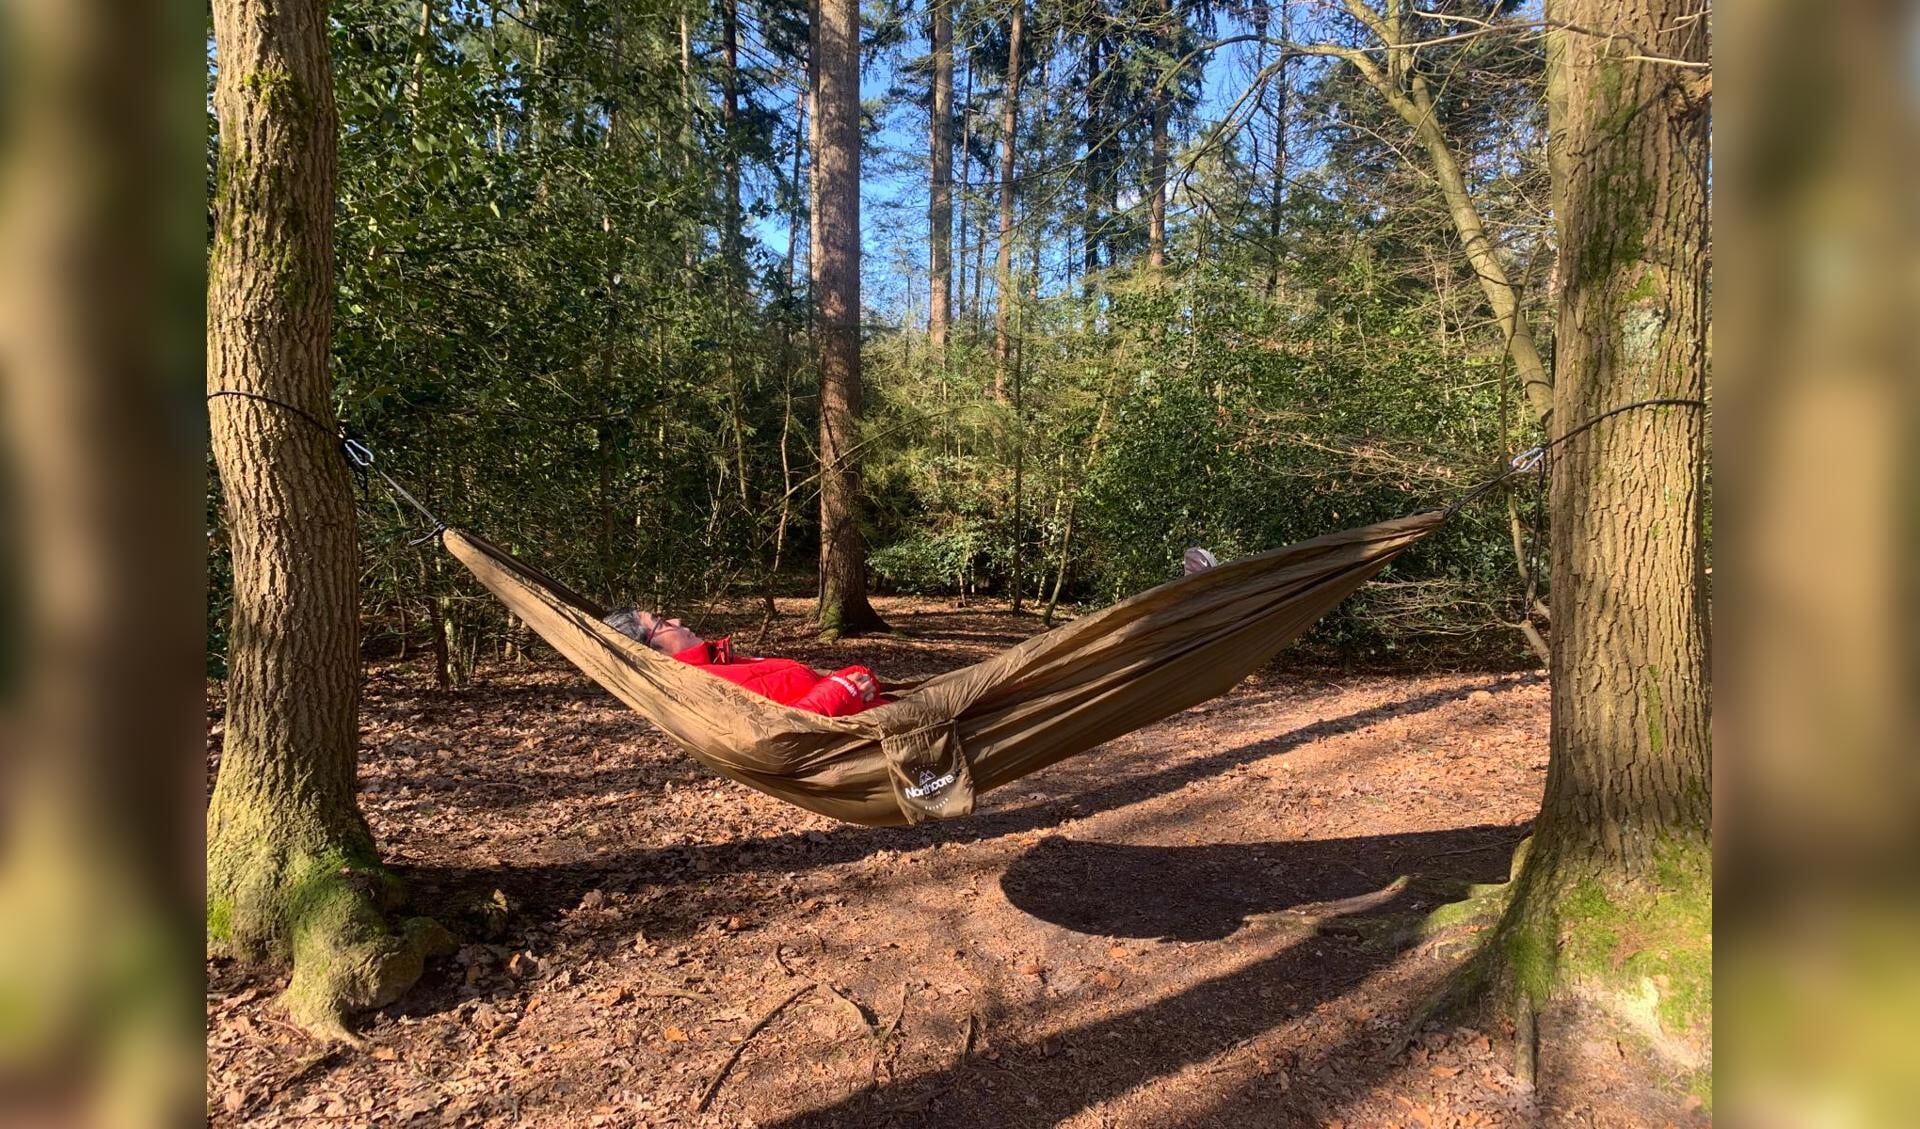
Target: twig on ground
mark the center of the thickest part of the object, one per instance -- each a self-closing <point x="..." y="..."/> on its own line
<point x="720" y="1075"/>
<point x="676" y="994"/>
<point x="1325" y="910"/>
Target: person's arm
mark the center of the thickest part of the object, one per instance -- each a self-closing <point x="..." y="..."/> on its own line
<point x="847" y="690"/>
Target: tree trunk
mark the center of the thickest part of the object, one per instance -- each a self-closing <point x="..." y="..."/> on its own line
<point x="1091" y="219"/>
<point x="291" y="867"/>
<point x="1399" y="82"/>
<point x="940" y="186"/>
<point x="966" y="175"/>
<point x="729" y="122"/>
<point x="1630" y="729"/>
<point x="104" y="563"/>
<point x="1276" y="202"/>
<point x="1003" y="271"/>
<point x="843" y="606"/>
<point x="1627" y="812"/>
<point x="1162" y="102"/>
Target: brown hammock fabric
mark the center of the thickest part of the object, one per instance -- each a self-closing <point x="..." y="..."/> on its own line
<point x="950" y="738"/>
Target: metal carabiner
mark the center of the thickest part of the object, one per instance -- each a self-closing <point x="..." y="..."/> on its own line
<point x="1527" y="459"/>
<point x="356" y="452"/>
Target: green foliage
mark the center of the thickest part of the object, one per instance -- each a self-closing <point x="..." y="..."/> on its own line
<point x="542" y="328"/>
<point x="930" y="560"/>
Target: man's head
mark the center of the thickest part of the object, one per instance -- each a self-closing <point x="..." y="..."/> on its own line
<point x="663" y="633"/>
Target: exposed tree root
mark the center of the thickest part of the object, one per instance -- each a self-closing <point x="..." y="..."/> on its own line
<point x="329" y="920"/>
<point x="1638" y="954"/>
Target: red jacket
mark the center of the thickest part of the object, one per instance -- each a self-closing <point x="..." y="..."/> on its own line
<point x="847" y="690"/>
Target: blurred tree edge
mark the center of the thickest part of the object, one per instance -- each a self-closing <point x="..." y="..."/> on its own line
<point x="1611" y="902"/>
<point x="100" y="464"/>
<point x="292" y="873"/>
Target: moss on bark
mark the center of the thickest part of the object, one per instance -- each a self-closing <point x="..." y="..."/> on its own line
<point x="327" y="916"/>
<point x="1636" y="949"/>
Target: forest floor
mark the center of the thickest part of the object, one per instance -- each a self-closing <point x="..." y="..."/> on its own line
<point x="1212" y="921"/>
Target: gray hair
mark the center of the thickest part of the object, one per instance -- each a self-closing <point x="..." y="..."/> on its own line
<point x="627" y="622"/>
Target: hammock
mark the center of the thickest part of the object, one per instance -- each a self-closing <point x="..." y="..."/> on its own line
<point x="947" y="739"/>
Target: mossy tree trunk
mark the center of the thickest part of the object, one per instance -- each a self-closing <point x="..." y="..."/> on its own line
<point x="1625" y="824"/>
<point x="844" y="608"/>
<point x="291" y="868"/>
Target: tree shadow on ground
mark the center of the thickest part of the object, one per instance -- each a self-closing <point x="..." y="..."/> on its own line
<point x="1206" y="893"/>
<point x="543" y="890"/>
<point x="1036" y="1080"/>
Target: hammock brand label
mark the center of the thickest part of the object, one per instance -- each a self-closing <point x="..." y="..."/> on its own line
<point x="929" y="770"/>
<point x="929" y="784"/>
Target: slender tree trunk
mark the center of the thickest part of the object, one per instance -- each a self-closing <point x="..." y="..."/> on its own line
<point x="732" y="241"/>
<point x="535" y="119"/>
<point x="788" y="363"/>
<point x="1003" y="274"/>
<point x="422" y="47"/>
<point x="1628" y="807"/>
<point x="966" y="174"/>
<point x="940" y="186"/>
<point x="1095" y="146"/>
<point x="802" y="137"/>
<point x="1277" y="199"/>
<point x="813" y="176"/>
<point x="729" y="122"/>
<point x="843" y="606"/>
<point x="291" y="866"/>
<point x="686" y="90"/>
<point x="1162" y="103"/>
<point x="1399" y="82"/>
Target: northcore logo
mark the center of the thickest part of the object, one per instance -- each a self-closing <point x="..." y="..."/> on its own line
<point x="929" y="784"/>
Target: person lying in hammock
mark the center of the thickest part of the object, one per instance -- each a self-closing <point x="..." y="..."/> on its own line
<point x="848" y="690"/>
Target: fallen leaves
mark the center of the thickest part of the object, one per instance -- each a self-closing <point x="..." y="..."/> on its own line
<point x="596" y="970"/>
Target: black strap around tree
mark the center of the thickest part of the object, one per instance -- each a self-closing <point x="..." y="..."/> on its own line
<point x="358" y="455"/>
<point x="1536" y="455"/>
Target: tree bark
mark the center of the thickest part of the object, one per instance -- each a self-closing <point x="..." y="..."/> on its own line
<point x="1631" y="747"/>
<point x="966" y="176"/>
<point x="1162" y="102"/>
<point x="105" y="564"/>
<point x="1276" y="202"/>
<point x="940" y="186"/>
<point x="843" y="606"/>
<point x="1003" y="268"/>
<point x="1629" y="777"/>
<point x="291" y="867"/>
<point x="729" y="123"/>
